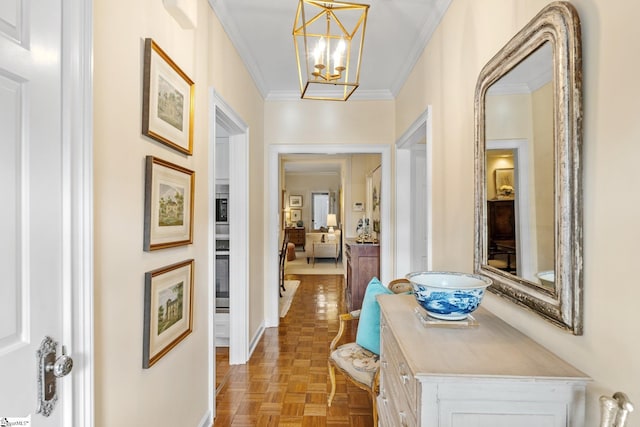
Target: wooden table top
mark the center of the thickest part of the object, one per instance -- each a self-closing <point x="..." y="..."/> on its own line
<point x="493" y="348"/>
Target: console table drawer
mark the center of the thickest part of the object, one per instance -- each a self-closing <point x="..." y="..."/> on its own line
<point x="394" y="412"/>
<point x="394" y="369"/>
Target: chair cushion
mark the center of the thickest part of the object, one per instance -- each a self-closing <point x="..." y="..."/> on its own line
<point x="359" y="363"/>
<point x="368" y="335"/>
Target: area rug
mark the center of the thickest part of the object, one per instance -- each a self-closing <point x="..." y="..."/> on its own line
<point x="322" y="265"/>
<point x="291" y="287"/>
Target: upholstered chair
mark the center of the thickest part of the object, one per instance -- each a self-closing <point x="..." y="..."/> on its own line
<point x="359" y="361"/>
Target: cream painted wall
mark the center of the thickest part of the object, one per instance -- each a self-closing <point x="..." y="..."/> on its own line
<point x="469" y="35"/>
<point x="311" y="122"/>
<point x="509" y="117"/>
<point x="175" y="390"/>
<point x="304" y="184"/>
<point x="361" y="166"/>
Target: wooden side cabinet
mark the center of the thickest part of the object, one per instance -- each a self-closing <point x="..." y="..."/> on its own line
<point x="297" y="235"/>
<point x="501" y="220"/>
<point x="363" y="263"/>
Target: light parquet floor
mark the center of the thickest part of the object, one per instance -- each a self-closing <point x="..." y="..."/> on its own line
<point x="286" y="382"/>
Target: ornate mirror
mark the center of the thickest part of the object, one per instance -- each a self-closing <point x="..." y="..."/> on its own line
<point x="528" y="196"/>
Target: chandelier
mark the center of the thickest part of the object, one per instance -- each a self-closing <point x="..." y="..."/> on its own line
<point x="328" y="38"/>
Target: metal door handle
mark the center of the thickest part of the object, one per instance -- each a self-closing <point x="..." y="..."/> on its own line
<point x="50" y="368"/>
<point x="62" y="366"/>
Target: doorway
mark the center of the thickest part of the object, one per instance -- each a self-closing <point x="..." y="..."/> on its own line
<point x="414" y="207"/>
<point x="272" y="317"/>
<point x="226" y="124"/>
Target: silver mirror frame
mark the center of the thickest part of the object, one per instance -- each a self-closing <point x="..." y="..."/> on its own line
<point x="559" y="24"/>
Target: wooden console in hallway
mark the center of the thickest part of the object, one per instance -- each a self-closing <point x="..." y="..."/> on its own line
<point x="363" y="263"/>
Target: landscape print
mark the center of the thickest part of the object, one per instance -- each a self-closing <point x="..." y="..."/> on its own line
<point x="170" y="302"/>
<point x="170" y="104"/>
<point x="171" y="206"/>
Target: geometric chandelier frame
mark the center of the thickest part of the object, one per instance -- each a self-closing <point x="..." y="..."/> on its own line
<point x="329" y="38"/>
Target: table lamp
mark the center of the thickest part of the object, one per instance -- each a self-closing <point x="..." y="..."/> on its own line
<point x="331" y="222"/>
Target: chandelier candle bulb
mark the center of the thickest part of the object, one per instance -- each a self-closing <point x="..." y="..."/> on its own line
<point x="318" y="54"/>
<point x="338" y="57"/>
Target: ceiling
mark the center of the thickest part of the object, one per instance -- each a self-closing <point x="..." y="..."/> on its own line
<point x="397" y="32"/>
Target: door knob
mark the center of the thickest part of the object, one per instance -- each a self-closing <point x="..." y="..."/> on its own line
<point x="62" y="365"/>
<point x="50" y="368"/>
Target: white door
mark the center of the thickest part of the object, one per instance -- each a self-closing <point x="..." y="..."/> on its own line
<point x="31" y="217"/>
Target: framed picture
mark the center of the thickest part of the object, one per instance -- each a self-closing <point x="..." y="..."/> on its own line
<point x="505" y="182"/>
<point x="168" y="100"/>
<point x="168" y="205"/>
<point x="376" y="177"/>
<point x="168" y="309"/>
<point x="295" y="201"/>
<point x="296" y="215"/>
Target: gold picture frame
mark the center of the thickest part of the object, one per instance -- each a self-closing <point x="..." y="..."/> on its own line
<point x="505" y="182"/>
<point x="168" y="204"/>
<point x="168" y="100"/>
<point x="295" y="201"/>
<point x="168" y="309"/>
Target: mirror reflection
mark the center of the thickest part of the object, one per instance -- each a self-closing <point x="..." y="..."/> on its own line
<point x="528" y="186"/>
<point x="519" y="132"/>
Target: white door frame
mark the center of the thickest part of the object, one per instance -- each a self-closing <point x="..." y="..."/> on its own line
<point x="221" y="114"/>
<point x="77" y="140"/>
<point x="272" y="246"/>
<point x="420" y="130"/>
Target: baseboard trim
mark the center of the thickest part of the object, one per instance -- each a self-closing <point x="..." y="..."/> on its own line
<point x="256" y="339"/>
<point x="206" y="420"/>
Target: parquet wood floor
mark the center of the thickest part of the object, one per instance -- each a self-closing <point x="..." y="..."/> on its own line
<point x="286" y="381"/>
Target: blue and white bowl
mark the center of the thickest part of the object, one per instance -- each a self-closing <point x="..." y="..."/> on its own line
<point x="448" y="295"/>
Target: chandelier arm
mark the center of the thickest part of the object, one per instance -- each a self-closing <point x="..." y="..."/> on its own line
<point x="364" y="27"/>
<point x="362" y="19"/>
<point x="342" y="28"/>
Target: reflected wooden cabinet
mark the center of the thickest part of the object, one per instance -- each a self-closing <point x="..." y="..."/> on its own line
<point x="363" y="263"/>
<point x="501" y="229"/>
<point x="501" y="220"/>
<point x="297" y="235"/>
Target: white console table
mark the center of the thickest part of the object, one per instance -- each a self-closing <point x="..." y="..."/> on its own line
<point x="487" y="375"/>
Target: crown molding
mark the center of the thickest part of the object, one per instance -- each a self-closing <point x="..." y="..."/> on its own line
<point x="235" y="36"/>
<point x="432" y="22"/>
